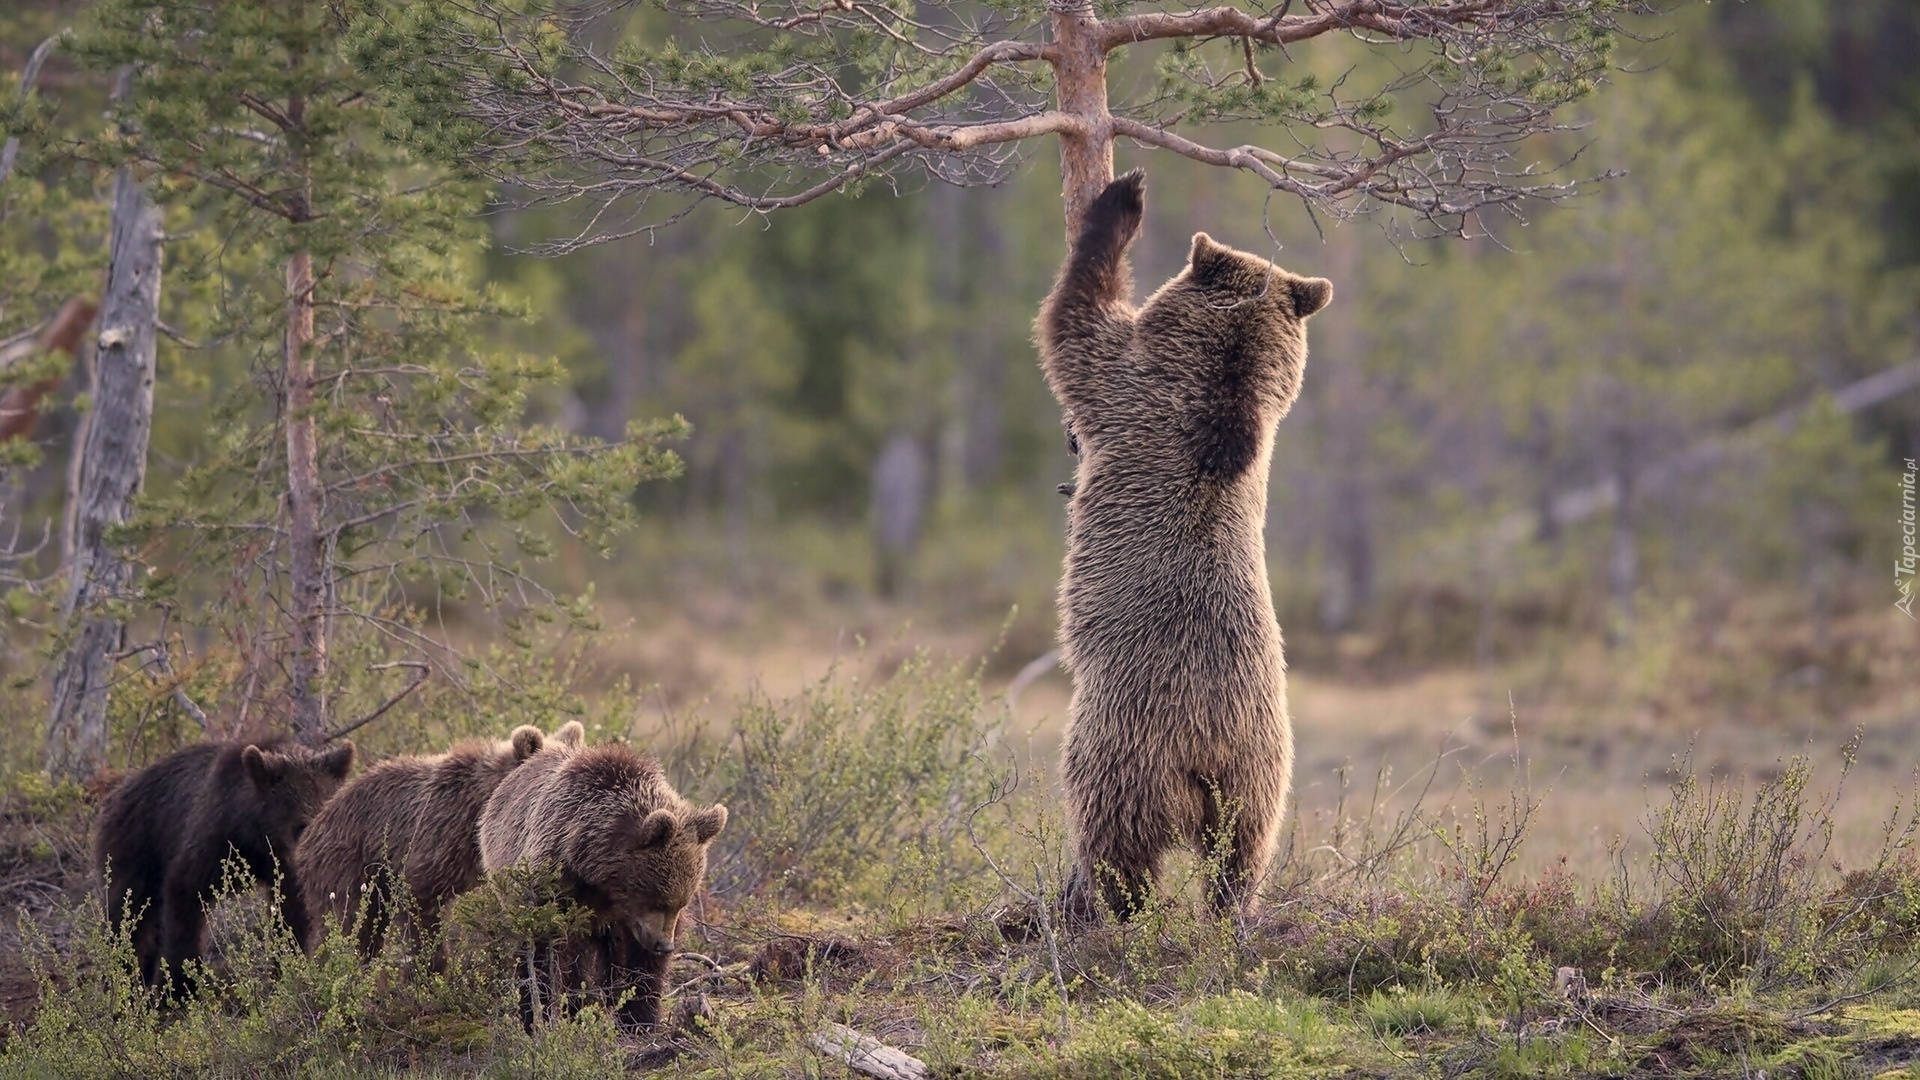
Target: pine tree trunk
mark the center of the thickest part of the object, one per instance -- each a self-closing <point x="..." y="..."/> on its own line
<point x="308" y="563"/>
<point x="113" y="464"/>
<point x="1080" y="81"/>
<point x="309" y="589"/>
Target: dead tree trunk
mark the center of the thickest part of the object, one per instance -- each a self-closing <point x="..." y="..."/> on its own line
<point x="307" y="564"/>
<point x="113" y="464"/>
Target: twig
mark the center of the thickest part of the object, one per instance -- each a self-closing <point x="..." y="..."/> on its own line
<point x="164" y="665"/>
<point x="1037" y="896"/>
<point x="731" y="971"/>
<point x="180" y="697"/>
<point x="420" y="673"/>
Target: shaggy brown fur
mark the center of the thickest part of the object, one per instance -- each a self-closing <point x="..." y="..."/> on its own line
<point x="1177" y="732"/>
<point x="164" y="832"/>
<point x="411" y="819"/>
<point x="627" y="847"/>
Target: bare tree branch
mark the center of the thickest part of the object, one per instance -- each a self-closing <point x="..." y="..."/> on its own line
<point x="769" y="105"/>
<point x="420" y="673"/>
<point x="1397" y="20"/>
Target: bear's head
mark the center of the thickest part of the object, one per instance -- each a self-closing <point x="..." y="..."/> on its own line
<point x="290" y="784"/>
<point x="1229" y="334"/>
<point x="660" y="862"/>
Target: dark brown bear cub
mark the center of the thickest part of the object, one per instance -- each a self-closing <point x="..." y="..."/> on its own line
<point x="164" y="832"/>
<point x="628" y="848"/>
<point x="411" y="821"/>
<point x="1177" y="732"/>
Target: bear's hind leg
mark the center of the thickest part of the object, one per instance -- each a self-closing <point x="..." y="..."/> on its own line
<point x="133" y="908"/>
<point x="183" y="924"/>
<point x="1116" y="869"/>
<point x="1236" y="836"/>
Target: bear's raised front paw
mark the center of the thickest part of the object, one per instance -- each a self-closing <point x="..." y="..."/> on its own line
<point x="1120" y="207"/>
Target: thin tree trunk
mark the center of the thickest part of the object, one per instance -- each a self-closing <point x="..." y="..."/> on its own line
<point x="309" y="587"/>
<point x="901" y="479"/>
<point x="1080" y="81"/>
<point x="1623" y="556"/>
<point x="308" y="556"/>
<point x="113" y="465"/>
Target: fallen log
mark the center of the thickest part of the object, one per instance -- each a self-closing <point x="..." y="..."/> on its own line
<point x="866" y="1055"/>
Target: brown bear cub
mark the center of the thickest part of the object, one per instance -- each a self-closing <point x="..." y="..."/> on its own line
<point x="165" y="831"/>
<point x="412" y="820"/>
<point x="628" y="848"/>
<point x="1177" y="732"/>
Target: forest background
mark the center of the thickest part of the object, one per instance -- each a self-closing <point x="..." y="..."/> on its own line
<point x="1586" y="536"/>
<point x="1727" y="332"/>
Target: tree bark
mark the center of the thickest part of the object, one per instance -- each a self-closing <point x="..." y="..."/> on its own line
<point x="1080" y="82"/>
<point x="308" y="562"/>
<point x="113" y="465"/>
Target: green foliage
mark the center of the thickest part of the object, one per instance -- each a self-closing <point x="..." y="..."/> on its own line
<point x="1743" y="895"/>
<point x="1398" y="965"/>
<point x="820" y="784"/>
<point x="439" y="487"/>
<point x="1231" y="1035"/>
<point x="263" y="1008"/>
<point x="1398" y="1010"/>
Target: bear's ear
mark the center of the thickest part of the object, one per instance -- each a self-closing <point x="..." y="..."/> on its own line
<point x="656" y="830"/>
<point x="708" y="823"/>
<point x="1206" y="258"/>
<point x="1310" y="295"/>
<point x="527" y="741"/>
<point x="264" y="768"/>
<point x="337" y="761"/>
<point x="572" y="735"/>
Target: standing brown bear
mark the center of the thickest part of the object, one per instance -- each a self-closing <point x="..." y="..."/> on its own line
<point x="164" y="832"/>
<point x="410" y="819"/>
<point x="1177" y="732"/>
<point x="627" y="847"/>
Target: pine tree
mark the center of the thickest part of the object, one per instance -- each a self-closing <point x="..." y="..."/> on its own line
<point x="374" y="470"/>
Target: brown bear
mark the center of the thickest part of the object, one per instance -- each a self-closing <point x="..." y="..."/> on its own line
<point x="1177" y="731"/>
<point x="164" y="832"/>
<point x="627" y="847"/>
<point x="411" y="819"/>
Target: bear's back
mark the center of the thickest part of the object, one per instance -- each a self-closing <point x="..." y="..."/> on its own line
<point x="512" y="815"/>
<point x="143" y="819"/>
<point x="368" y="821"/>
<point x="560" y="793"/>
